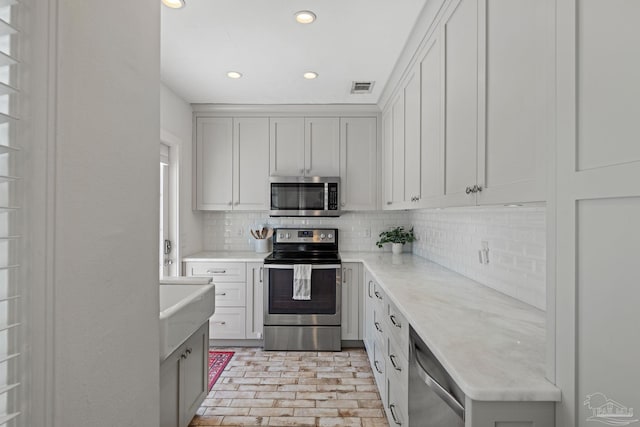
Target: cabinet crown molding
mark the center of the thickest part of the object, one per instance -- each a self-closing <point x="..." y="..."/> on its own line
<point x="289" y="110"/>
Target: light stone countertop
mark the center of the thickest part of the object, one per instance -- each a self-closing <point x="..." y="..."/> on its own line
<point x="492" y="345"/>
<point x="227" y="256"/>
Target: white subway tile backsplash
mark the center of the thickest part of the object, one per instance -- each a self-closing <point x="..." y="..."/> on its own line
<point x="357" y="231"/>
<point x="516" y="238"/>
<point x="450" y="237"/>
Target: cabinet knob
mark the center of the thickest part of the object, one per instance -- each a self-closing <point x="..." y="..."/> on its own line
<point x="189" y="350"/>
<point x="230" y="203"/>
<point x="342" y="204"/>
<point x="468" y="190"/>
<point x="477" y="188"/>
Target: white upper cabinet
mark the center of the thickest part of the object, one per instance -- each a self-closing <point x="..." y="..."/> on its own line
<point x="287" y="146"/>
<point x="432" y="138"/>
<point x="232" y="163"/>
<point x="472" y="120"/>
<point x="461" y="114"/>
<point x="397" y="151"/>
<point x="305" y="146"/>
<point x="214" y="165"/>
<point x="412" y="147"/>
<point x="358" y="161"/>
<point x="517" y="96"/>
<point x="251" y="163"/>
<point x="322" y="146"/>
<point x="387" y="155"/>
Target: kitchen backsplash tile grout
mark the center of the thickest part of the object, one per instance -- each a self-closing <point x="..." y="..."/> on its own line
<point x="450" y="237"/>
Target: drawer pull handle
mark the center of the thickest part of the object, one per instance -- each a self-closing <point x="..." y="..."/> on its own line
<point x="375" y="363"/>
<point x="221" y="323"/>
<point x="395" y="322"/>
<point x="377" y="325"/>
<point x="377" y="294"/>
<point x="216" y="271"/>
<point x="392" y="357"/>
<point x="393" y="414"/>
<point x="222" y="294"/>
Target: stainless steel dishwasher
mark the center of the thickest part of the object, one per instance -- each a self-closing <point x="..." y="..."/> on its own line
<point x="435" y="400"/>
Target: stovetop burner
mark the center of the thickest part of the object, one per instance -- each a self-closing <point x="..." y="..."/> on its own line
<point x="299" y="257"/>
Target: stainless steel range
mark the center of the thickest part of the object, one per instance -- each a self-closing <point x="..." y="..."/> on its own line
<point x="302" y="295"/>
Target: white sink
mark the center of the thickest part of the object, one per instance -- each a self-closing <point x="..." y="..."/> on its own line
<point x="184" y="308"/>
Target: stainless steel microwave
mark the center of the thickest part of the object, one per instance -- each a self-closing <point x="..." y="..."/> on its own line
<point x="304" y="196"/>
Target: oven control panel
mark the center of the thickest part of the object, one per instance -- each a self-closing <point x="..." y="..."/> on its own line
<point x="305" y="235"/>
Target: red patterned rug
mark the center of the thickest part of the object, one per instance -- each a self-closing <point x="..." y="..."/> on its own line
<point x="217" y="362"/>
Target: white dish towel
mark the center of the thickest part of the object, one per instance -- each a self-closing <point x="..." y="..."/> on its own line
<point x="302" y="281"/>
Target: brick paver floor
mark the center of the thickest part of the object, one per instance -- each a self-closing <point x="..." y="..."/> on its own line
<point x="293" y="388"/>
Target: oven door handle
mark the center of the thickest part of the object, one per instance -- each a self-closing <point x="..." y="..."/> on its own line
<point x="313" y="266"/>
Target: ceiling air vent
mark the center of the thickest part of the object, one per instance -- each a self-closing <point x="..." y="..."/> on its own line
<point x="361" y="87"/>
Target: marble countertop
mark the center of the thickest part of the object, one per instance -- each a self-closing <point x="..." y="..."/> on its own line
<point x="226" y="256"/>
<point x="492" y="345"/>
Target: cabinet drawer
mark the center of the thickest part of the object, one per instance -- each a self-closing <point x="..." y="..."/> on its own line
<point x="227" y="323"/>
<point x="230" y="294"/>
<point x="397" y="362"/>
<point x="380" y="328"/>
<point x="398" y="328"/>
<point x="397" y="402"/>
<point x="220" y="271"/>
<point x="378" y="366"/>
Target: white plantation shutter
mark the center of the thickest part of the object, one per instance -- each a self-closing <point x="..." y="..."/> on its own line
<point x="11" y="331"/>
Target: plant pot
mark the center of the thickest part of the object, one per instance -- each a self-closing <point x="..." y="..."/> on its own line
<point x="396" y="248"/>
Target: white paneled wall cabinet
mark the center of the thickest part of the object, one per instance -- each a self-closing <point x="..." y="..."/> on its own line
<point x="234" y="157"/>
<point x="470" y="122"/>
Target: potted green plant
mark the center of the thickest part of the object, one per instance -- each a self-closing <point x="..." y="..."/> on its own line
<point x="397" y="236"/>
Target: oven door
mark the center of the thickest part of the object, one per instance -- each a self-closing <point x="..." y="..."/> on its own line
<point x="324" y="307"/>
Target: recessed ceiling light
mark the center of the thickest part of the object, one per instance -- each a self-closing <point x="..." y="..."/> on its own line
<point x="305" y="17"/>
<point x="234" y="75"/>
<point x="310" y="75"/>
<point x="174" y="4"/>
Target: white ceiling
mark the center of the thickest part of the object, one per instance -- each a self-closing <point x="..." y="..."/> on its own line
<point x="350" y="40"/>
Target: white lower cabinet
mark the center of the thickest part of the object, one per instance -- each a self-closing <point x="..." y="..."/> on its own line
<point x="183" y="380"/>
<point x="351" y="290"/>
<point x="238" y="313"/>
<point x="255" y="301"/>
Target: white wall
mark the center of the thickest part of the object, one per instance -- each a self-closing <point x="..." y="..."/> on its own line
<point x="516" y="239"/>
<point x="92" y="197"/>
<point x="176" y="121"/>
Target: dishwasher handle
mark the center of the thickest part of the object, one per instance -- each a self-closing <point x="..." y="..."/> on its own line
<point x="447" y="397"/>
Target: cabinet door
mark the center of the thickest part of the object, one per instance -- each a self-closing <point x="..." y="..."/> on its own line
<point x="369" y="308"/>
<point x="387" y="146"/>
<point x="322" y="146"/>
<point x="255" y="301"/>
<point x="251" y="163"/>
<point x="351" y="290"/>
<point x="194" y="373"/>
<point x="397" y="151"/>
<point x="461" y="112"/>
<point x="286" y="146"/>
<point x="170" y="391"/>
<point x="517" y="95"/>
<point x="432" y="141"/>
<point x="214" y="166"/>
<point x="412" y="167"/>
<point x="358" y="162"/>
